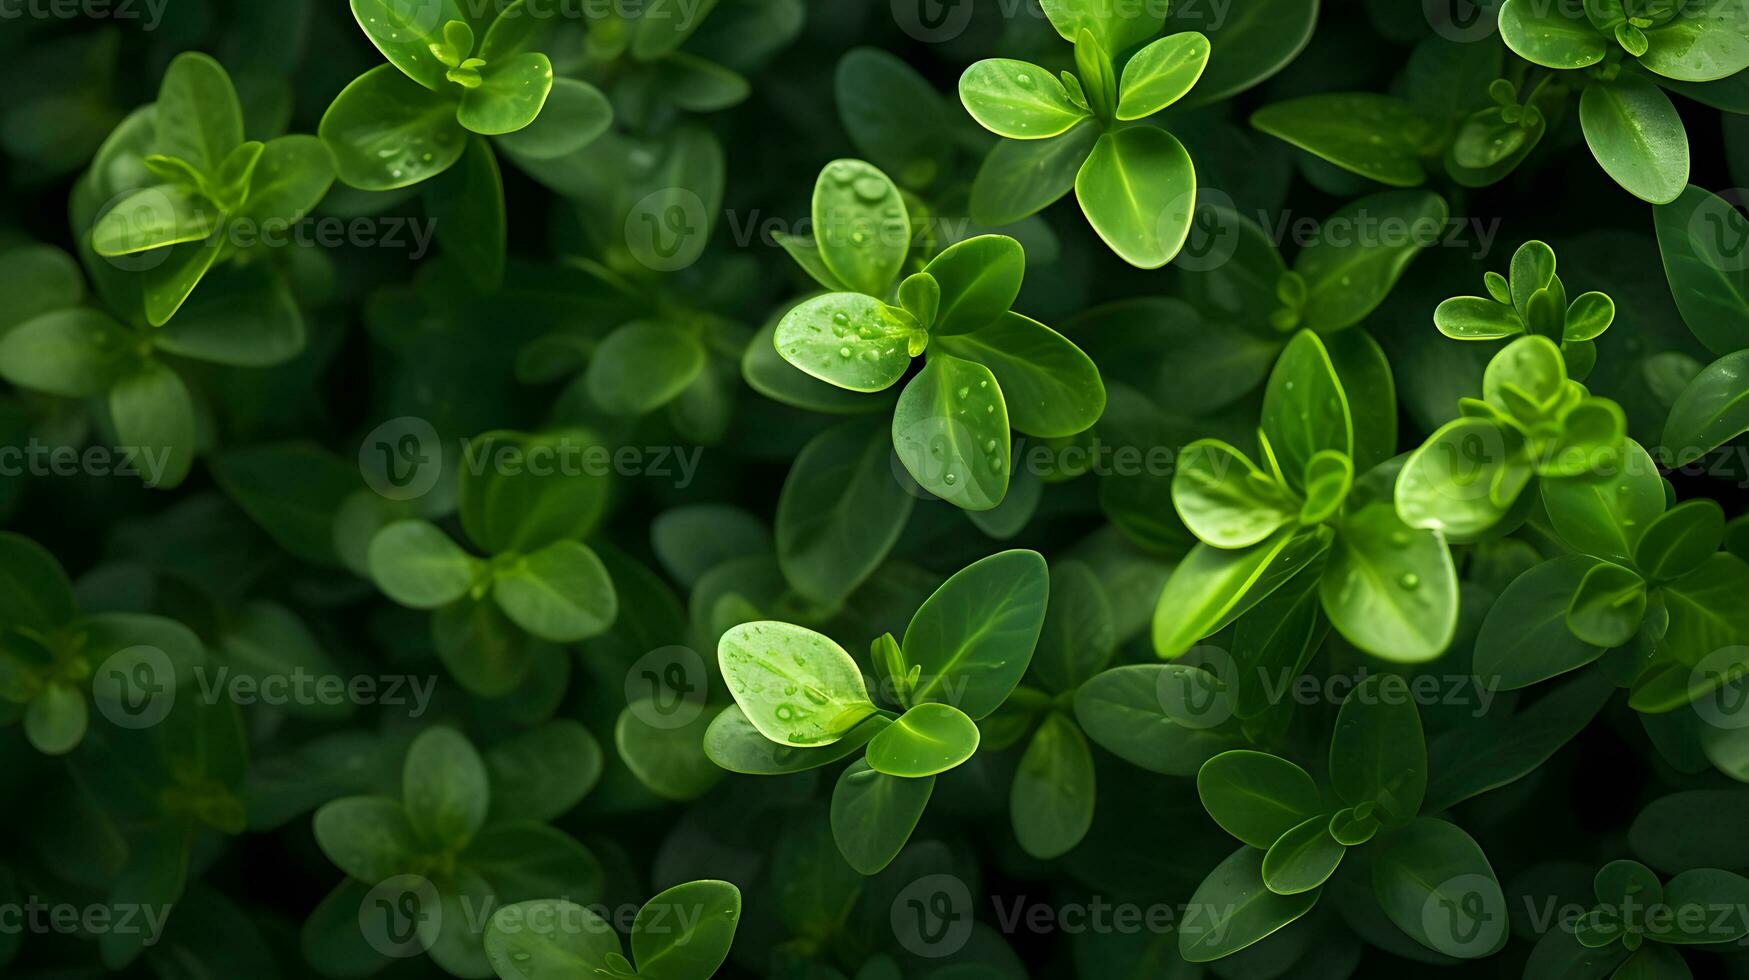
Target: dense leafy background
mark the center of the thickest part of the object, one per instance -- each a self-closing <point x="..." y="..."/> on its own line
<point x="613" y="275"/>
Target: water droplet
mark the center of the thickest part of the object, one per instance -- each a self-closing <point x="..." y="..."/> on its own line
<point x="1024" y="81"/>
<point x="995" y="464"/>
<point x="989" y="445"/>
<point x="950" y="479"/>
<point x="872" y="190"/>
<point x="1409" y="580"/>
<point x="785" y="712"/>
<point x="844" y="173"/>
<point x="1400" y="538"/>
<point x="964" y="391"/>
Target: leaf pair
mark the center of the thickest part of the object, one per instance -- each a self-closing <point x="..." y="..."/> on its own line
<point x="405" y="122"/>
<point x="684" y="933"/>
<point x="964" y="652"/>
<point x="437" y="848"/>
<point x="1390" y="589"/>
<point x="988" y="367"/>
<point x="1469" y="476"/>
<point x="202" y="193"/>
<point x="1532" y="300"/>
<point x="526" y="501"/>
<point x="56" y="662"/>
<point x="1640" y="923"/>
<point x="1296" y="840"/>
<point x="1136" y="183"/>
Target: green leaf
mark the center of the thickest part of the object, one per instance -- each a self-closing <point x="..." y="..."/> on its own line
<point x="1138" y="190"/>
<point x="1705" y="42"/>
<point x="560" y="593"/>
<point x="1349" y="271"/>
<point x="1464" y="479"/>
<point x="1525" y="638"/>
<point x="40" y="279"/>
<point x="1702" y="239"/>
<point x="1079" y="634"/>
<point x="1695" y="898"/>
<point x="1495" y="750"/>
<point x="576" y="114"/>
<point x="540" y="774"/>
<point x="1704" y="618"/>
<point x="1680" y="539"/>
<point x="466" y="207"/>
<point x="1050" y="388"/>
<point x="198" y="117"/>
<point x="520" y="492"/>
<point x="1377" y="136"/>
<point x="850" y="340"/>
<point x="840" y="512"/>
<point x="1225" y="500"/>
<point x="1608" y="606"/>
<point x="1211" y="587"/>
<point x="894" y="115"/>
<point x="950" y="429"/>
<point x="485" y="652"/>
<point x="1476" y="318"/>
<point x="368" y="837"/>
<point x="1022" y="177"/>
<point x="1378" y="753"/>
<point x="920" y="296"/>
<point x="1365" y="373"/>
<point x="1161" y="717"/>
<point x="1018" y="99"/>
<point x="873" y="815"/>
<point x="1712" y="410"/>
<point x="74" y="353"/>
<point x="1550" y="34"/>
<point x="154" y="415"/>
<point x="444" y="788"/>
<point x="1305" y="410"/>
<point x="1239" y="909"/>
<point x="1637" y="136"/>
<point x="974" y="636"/>
<point x="56" y="719"/>
<point x="382" y="113"/>
<point x="979" y="279"/>
<point x="1604" y="514"/>
<point x="37" y="595"/>
<point x="1303" y="858"/>
<point x="1115" y="24"/>
<point x="926" y="740"/>
<point x="1051" y="800"/>
<point x="511" y="94"/>
<point x="796" y="686"/>
<point x="1161" y="74"/>
<point x="861" y="226"/>
<point x="1255" y="796"/>
<point x="405" y="30"/>
<point x="690" y="952"/>
<point x="643" y="365"/>
<point x="733" y="743"/>
<point x="519" y="949"/>
<point x="665" y="753"/>
<point x="1390" y="589"/>
<point x="1435" y="884"/>
<point x="416" y="564"/>
<point x="154" y="217"/>
<point x="1255" y="42"/>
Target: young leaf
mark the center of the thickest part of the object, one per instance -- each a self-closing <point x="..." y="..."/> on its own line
<point x="1680" y="539"/>
<point x="1303" y="858"/>
<point x="1378" y="753"/>
<point x="1225" y="500"/>
<point x="1018" y="99"/>
<point x="873" y="815"/>
<point x="1211" y="587"/>
<point x="926" y="740"/>
<point x="1305" y="410"/>
<point x="1390" y="589"/>
<point x="444" y="788"/>
<point x="1138" y="190"/>
<point x="974" y="636"/>
<point x="796" y="686"/>
<point x="1049" y="386"/>
<point x="979" y="279"/>
<point x="1636" y="135"/>
<point x="511" y="94"/>
<point x="560" y="593"/>
<point x="861" y="226"/>
<point x="1550" y="34"/>
<point x="1608" y="606"/>
<point x="198" y="117"/>
<point x="405" y="30"/>
<point x="950" y="429"/>
<point x="1255" y="796"/>
<point x="693" y="951"/>
<point x="416" y="564"/>
<point x="380" y="113"/>
<point x="1161" y="73"/>
<point x="850" y="340"/>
